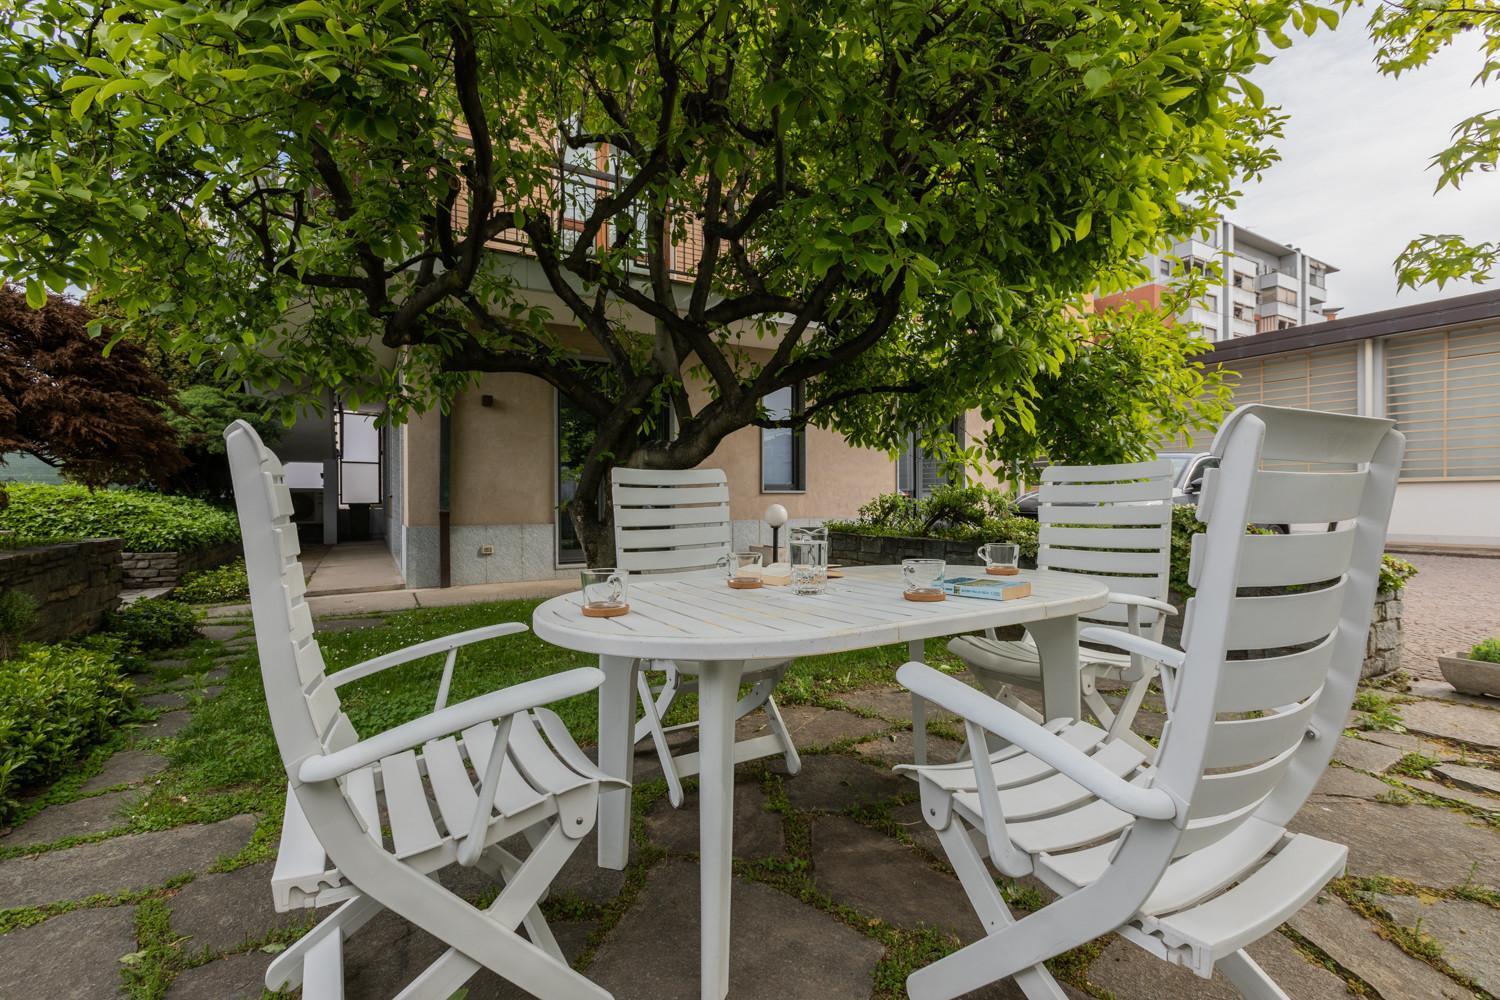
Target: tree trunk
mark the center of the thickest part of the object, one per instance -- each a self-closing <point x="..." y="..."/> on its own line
<point x="594" y="521"/>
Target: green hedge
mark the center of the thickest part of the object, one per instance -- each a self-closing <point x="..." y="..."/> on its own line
<point x="212" y="586"/>
<point x="54" y="702"/>
<point x="148" y="522"/>
<point x="954" y="512"/>
<point x="154" y="623"/>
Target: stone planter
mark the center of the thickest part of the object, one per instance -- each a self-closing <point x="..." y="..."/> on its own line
<point x="849" y="549"/>
<point x="152" y="570"/>
<point x="1470" y="676"/>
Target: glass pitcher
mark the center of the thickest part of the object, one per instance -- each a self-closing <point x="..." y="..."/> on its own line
<point x="807" y="550"/>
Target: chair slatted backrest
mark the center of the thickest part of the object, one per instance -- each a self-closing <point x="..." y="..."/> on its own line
<point x="305" y="710"/>
<point x="670" y="520"/>
<point x="1112" y="523"/>
<point x="1275" y="634"/>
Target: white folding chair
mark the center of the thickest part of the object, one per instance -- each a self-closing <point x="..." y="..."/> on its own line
<point x="1112" y="523"/>
<point x="451" y="785"/>
<point x="1188" y="857"/>
<point x="671" y="522"/>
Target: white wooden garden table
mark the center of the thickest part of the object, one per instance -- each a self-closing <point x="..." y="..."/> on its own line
<point x="711" y="630"/>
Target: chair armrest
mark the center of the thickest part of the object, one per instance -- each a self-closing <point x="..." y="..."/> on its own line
<point x="1142" y="602"/>
<point x="453" y="719"/>
<point x="429" y="648"/>
<point x="1133" y="644"/>
<point x="982" y="710"/>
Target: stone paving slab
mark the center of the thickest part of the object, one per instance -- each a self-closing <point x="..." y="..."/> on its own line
<point x="581" y="877"/>
<point x="224" y="911"/>
<point x="1366" y="756"/>
<point x="128" y="767"/>
<point x="834" y="782"/>
<point x="71" y="819"/>
<point x="1355" y="943"/>
<point x="1342" y="782"/>
<point x="1468" y="798"/>
<point x="757" y="833"/>
<point x="1130" y="973"/>
<point x="220" y="633"/>
<point x="134" y="861"/>
<point x="884" y="880"/>
<point x="238" y="977"/>
<point x="784" y="949"/>
<point x="165" y="699"/>
<point x="1407" y="743"/>
<point x="164" y="726"/>
<point x="1462" y="723"/>
<point x="1428" y="845"/>
<point x="74" y="956"/>
<point x="1468" y="932"/>
<point x="895" y="748"/>
<point x="1475" y="779"/>
<point x="893" y="704"/>
<point x="811" y="727"/>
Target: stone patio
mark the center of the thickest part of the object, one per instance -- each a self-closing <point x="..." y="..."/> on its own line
<point x="840" y="888"/>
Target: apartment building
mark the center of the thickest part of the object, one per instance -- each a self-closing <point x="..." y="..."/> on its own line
<point x="1261" y="285"/>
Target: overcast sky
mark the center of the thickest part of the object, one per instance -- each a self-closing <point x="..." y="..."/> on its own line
<point x="1354" y="183"/>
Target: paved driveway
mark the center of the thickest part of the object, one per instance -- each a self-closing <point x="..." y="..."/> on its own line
<point x="1452" y="603"/>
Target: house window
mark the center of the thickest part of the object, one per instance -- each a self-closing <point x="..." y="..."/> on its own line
<point x="1166" y="268"/>
<point x="1239" y="280"/>
<point x="1239" y="312"/>
<point x="1211" y="303"/>
<point x="919" y="472"/>
<point x="783" y="451"/>
<point x="1209" y="333"/>
<point x="1285" y="296"/>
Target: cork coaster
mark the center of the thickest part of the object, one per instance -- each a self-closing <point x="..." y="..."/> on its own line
<point x="610" y="612"/>
<point x="1003" y="570"/>
<point x="737" y="584"/>
<point x="924" y="596"/>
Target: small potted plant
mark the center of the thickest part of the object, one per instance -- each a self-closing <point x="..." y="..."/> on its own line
<point x="1478" y="672"/>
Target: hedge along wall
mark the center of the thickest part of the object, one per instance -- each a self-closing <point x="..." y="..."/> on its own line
<point x="75" y="584"/>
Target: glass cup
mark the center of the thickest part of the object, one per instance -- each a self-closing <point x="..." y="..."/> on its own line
<point x="744" y="569"/>
<point x="807" y="550"/>
<point x="923" y="577"/>
<point x="603" y="590"/>
<point x="1000" y="558"/>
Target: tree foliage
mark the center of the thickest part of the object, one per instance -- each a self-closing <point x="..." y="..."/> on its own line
<point x="198" y="416"/>
<point x="895" y="199"/>
<point x="96" y="415"/>
<point x="1408" y="34"/>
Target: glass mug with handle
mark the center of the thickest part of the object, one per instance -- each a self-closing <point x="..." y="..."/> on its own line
<point x="923" y="579"/>
<point x="605" y="593"/>
<point x="807" y="550"/>
<point x="1000" y="558"/>
<point x="744" y="569"/>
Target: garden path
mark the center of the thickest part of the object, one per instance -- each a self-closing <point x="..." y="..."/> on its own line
<point x="112" y="891"/>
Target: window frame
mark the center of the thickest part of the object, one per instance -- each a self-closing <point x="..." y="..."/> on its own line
<point x="799" y="450"/>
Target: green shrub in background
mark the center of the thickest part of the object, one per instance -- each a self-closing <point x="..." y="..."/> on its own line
<point x="1394" y="572"/>
<point x="17" y="614"/>
<point x="54" y="702"/>
<point x="213" y="586"/>
<point x="1488" y="651"/>
<point x="148" y="522"/>
<point x="154" y="623"/>
<point x="959" y="513"/>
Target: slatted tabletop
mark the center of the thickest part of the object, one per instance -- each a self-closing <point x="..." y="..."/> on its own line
<point x="699" y="617"/>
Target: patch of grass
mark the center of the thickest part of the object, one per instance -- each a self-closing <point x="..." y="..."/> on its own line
<point x="1414" y="765"/>
<point x="1379" y="714"/>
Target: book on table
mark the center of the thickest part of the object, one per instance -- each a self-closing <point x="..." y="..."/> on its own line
<point x="989" y="588"/>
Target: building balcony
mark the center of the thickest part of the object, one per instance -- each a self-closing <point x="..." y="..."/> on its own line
<point x="1195" y="250"/>
<point x="1276" y="279"/>
<point x="1280" y="310"/>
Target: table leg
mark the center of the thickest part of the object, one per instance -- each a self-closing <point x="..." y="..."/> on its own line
<point x="1057" y="645"/>
<point x="616" y="756"/>
<point x="916" y="650"/>
<point x="718" y="690"/>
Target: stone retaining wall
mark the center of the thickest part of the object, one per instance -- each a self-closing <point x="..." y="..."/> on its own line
<point x="1383" y="645"/>
<point x="76" y="584"/>
<point x="148" y="570"/>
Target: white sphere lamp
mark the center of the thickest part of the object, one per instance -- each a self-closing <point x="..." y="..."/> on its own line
<point x="776" y="518"/>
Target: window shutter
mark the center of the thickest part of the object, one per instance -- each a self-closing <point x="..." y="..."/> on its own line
<point x="1443" y="391"/>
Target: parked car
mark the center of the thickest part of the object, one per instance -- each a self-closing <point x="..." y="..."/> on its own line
<point x="1187" y="482"/>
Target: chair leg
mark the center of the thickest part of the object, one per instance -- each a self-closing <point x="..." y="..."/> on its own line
<point x="1250" y="979"/>
<point x="778" y="726"/>
<point x="979" y="885"/>
<point x="662" y="700"/>
<point x="1118" y="720"/>
<point x="285" y="972"/>
<point x="651" y="718"/>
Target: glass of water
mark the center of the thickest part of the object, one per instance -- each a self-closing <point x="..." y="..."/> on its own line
<point x="808" y="553"/>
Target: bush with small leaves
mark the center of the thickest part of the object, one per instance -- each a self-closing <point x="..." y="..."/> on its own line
<point x="1488" y="651"/>
<point x="214" y="586"/>
<point x="54" y="702"/>
<point x="146" y="521"/>
<point x="154" y="623"/>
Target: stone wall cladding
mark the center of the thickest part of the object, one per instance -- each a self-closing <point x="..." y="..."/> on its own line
<point x="149" y="570"/>
<point x="76" y="584"/>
